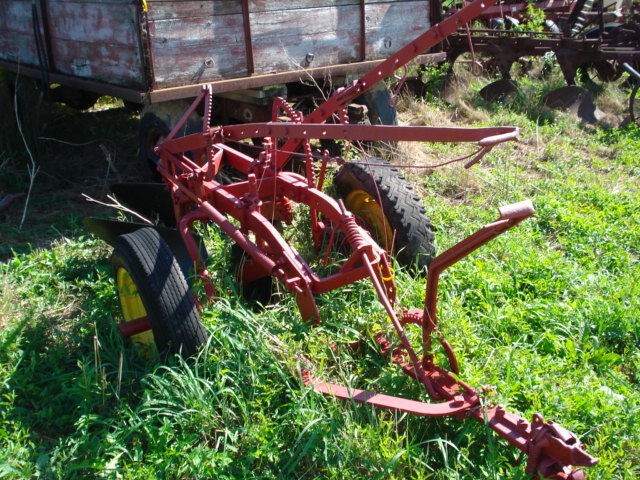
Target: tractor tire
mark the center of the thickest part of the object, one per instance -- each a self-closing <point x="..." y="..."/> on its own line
<point x="385" y="204"/>
<point x="149" y="282"/>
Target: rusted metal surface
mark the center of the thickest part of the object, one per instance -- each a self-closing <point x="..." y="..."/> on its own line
<point x="245" y="209"/>
<point x="576" y="100"/>
<point x="508" y="46"/>
<point x="585" y="42"/>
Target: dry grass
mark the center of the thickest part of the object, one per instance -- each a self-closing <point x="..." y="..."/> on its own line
<point x="8" y="302"/>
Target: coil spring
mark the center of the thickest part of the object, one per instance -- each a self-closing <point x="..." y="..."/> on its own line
<point x="352" y="232"/>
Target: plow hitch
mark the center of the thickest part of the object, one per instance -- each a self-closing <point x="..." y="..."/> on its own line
<point x="552" y="451"/>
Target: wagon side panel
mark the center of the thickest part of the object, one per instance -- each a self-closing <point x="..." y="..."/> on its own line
<point x="17" y="33"/>
<point x="390" y="25"/>
<point x="97" y="40"/>
<point x="196" y="41"/>
<point x="314" y="34"/>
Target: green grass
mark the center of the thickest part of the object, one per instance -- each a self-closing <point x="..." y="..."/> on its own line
<point x="548" y="314"/>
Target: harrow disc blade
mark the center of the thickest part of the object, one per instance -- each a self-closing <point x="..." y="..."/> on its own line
<point x="499" y="91"/>
<point x="576" y="100"/>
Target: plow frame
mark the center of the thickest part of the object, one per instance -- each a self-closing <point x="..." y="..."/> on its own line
<point x="246" y="211"/>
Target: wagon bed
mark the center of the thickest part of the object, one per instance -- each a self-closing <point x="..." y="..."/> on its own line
<point x="164" y="50"/>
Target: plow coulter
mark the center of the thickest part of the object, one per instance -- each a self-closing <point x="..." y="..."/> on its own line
<point x="275" y="165"/>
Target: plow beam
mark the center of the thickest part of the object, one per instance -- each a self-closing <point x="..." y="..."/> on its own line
<point x="452" y="407"/>
<point x="484" y="136"/>
<point x="342" y="97"/>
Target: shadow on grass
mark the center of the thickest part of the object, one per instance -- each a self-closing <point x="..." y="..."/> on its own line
<point x="61" y="369"/>
<point x="77" y="153"/>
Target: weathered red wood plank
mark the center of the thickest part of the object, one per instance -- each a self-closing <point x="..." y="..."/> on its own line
<point x="282" y="40"/>
<point x="97" y="40"/>
<point x="197" y="49"/>
<point x="18" y="48"/>
<point x="102" y="2"/>
<point x="256" y="6"/>
<point x="163" y="10"/>
<point x="15" y="17"/>
<point x="391" y="25"/>
<point x="17" y="36"/>
<point x="173" y="69"/>
<point x="94" y="22"/>
<point x="215" y="31"/>
<point x="114" y="64"/>
<point x="260" y="6"/>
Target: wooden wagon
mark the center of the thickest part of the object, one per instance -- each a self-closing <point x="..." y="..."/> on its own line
<point x="154" y="51"/>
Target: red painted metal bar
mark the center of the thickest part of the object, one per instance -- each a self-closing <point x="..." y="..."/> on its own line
<point x="510" y="216"/>
<point x="450" y="407"/>
<point x="402" y="57"/>
<point x="133" y="327"/>
<point x="484" y="136"/>
<point x="231" y="199"/>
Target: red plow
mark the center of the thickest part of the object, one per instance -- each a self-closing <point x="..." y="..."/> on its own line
<point x="249" y="211"/>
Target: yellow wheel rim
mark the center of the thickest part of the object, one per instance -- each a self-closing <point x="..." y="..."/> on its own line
<point x="369" y="211"/>
<point x="131" y="304"/>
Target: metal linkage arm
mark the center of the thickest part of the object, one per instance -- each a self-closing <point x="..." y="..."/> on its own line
<point x="510" y="216"/>
<point x="402" y="57"/>
<point x="484" y="136"/>
<point x="552" y="451"/>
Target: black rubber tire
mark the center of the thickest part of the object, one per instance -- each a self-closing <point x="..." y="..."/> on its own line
<point x="414" y="240"/>
<point x="379" y="107"/>
<point x="170" y="307"/>
<point x="150" y="130"/>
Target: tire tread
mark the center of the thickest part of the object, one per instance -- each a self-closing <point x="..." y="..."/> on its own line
<point x="171" y="309"/>
<point x="401" y="205"/>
